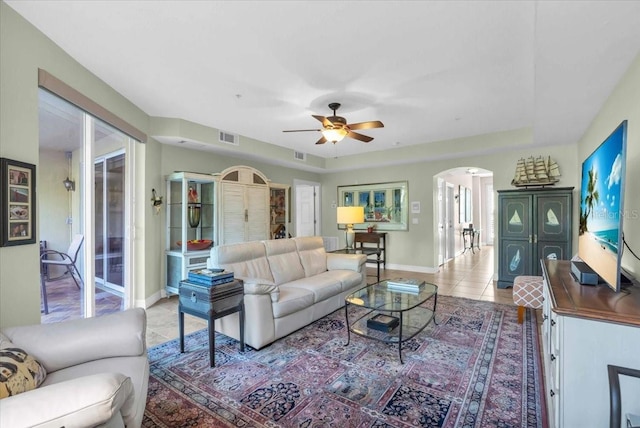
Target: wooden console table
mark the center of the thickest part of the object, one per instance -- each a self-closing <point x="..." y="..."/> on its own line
<point x="379" y="239"/>
<point x="584" y="329"/>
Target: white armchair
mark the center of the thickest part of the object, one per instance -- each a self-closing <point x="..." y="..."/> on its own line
<point x="97" y="373"/>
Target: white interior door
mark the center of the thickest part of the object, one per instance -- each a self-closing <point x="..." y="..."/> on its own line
<point x="449" y="231"/>
<point x="441" y="221"/>
<point x="307" y="209"/>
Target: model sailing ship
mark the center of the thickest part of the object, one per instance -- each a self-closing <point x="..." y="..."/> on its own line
<point x="536" y="172"/>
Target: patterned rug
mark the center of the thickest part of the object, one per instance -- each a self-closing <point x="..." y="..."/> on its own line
<point x="477" y="368"/>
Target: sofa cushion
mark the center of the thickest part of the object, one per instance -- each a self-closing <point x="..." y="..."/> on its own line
<point x="292" y="299"/>
<point x="101" y="399"/>
<point x="312" y="254"/>
<point x="347" y="278"/>
<point x="246" y="260"/>
<point x="19" y="371"/>
<point x="284" y="260"/>
<point x="322" y="286"/>
<point x="50" y="343"/>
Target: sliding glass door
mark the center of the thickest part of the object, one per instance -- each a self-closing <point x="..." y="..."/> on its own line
<point x="109" y="174"/>
<point x="98" y="159"/>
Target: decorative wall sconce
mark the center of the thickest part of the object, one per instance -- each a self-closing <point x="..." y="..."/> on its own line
<point x="156" y="201"/>
<point x="69" y="184"/>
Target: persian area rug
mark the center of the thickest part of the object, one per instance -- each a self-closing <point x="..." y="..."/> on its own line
<point x="477" y="368"/>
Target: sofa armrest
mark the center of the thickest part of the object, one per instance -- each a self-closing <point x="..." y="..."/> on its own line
<point x="262" y="286"/>
<point x="336" y="261"/>
<point x="61" y="345"/>
<point x="86" y="401"/>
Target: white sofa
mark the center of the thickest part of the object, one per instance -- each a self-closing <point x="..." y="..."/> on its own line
<point x="97" y="373"/>
<point x="288" y="283"/>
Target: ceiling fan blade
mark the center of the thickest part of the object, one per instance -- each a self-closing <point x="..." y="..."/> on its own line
<point x="366" y="125"/>
<point x="302" y="130"/>
<point x="321" y="140"/>
<point x="360" y="137"/>
<point x="325" y="122"/>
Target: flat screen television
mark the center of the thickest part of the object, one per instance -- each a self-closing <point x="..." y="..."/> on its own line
<point x="600" y="238"/>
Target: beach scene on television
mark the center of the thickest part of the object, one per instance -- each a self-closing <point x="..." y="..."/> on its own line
<point x="600" y="207"/>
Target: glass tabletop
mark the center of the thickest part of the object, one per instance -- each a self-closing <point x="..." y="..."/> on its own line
<point x="382" y="296"/>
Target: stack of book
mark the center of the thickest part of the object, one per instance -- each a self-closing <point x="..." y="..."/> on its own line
<point x="404" y="285"/>
<point x="209" y="277"/>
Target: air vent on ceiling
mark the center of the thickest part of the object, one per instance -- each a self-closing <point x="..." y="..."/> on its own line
<point x="228" y="138"/>
<point x="299" y="156"/>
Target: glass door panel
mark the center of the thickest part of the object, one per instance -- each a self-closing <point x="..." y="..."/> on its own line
<point x="114" y="216"/>
<point x="110" y="222"/>
<point x="99" y="221"/>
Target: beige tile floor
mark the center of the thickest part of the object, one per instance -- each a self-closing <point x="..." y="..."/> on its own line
<point x="468" y="275"/>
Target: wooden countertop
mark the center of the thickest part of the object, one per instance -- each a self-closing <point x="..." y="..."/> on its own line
<point x="598" y="302"/>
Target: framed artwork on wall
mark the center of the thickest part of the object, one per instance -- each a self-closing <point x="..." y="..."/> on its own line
<point x="18" y="194"/>
<point x="385" y="204"/>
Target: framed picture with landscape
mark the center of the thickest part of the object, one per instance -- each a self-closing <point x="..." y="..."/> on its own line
<point x="385" y="205"/>
<point x="18" y="194"/>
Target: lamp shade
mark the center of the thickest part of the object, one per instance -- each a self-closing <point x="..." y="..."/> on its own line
<point x="350" y="215"/>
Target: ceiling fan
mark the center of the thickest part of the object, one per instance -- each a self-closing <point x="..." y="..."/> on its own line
<point x="335" y="128"/>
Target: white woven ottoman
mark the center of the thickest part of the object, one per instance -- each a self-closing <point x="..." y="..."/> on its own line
<point x="527" y="293"/>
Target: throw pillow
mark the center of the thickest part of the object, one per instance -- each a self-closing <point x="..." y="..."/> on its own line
<point x="19" y="371"/>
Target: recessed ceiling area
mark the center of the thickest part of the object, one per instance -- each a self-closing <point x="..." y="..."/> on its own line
<point x="429" y="70"/>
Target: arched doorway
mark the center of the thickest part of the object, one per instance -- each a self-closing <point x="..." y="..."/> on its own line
<point x="465" y="197"/>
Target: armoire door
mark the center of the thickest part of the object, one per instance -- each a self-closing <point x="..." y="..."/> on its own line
<point x="257" y="213"/>
<point x="516" y="217"/>
<point x="245" y="213"/>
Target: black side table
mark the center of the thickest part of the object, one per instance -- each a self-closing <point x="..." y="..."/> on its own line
<point x="473" y="237"/>
<point x="211" y="303"/>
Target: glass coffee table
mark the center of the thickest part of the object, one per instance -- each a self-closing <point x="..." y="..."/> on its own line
<point x="394" y="316"/>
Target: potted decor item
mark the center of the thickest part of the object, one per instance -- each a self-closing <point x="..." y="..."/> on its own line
<point x="193" y="209"/>
<point x="371" y="228"/>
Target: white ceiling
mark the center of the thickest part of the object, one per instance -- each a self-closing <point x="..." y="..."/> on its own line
<point x="430" y="70"/>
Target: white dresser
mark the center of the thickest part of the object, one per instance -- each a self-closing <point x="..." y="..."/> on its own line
<point x="584" y="329"/>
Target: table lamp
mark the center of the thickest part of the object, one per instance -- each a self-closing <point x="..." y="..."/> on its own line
<point x="350" y="216"/>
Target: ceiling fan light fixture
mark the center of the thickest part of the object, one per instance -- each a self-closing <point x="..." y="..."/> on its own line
<point x="334" y="135"/>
